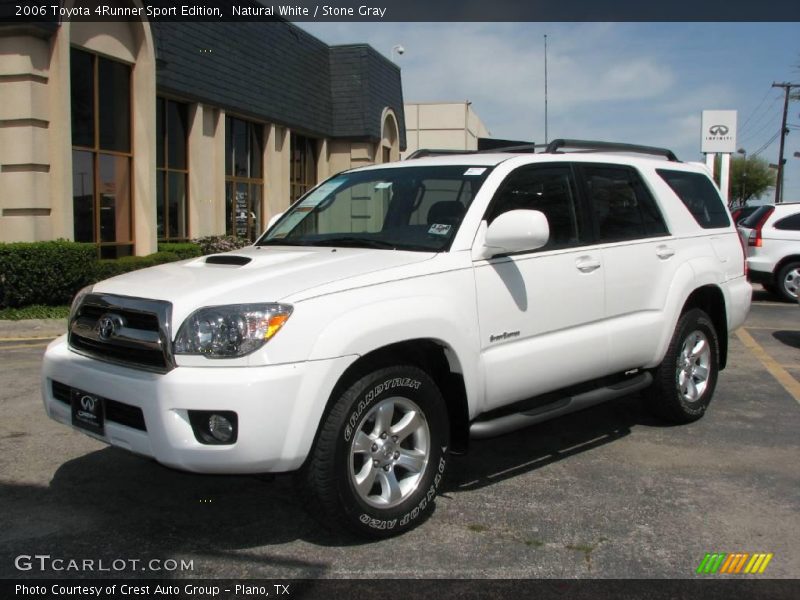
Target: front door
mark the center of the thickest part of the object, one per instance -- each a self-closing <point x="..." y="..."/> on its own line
<point x="541" y="312"/>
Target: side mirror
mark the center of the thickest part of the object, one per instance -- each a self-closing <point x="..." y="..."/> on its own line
<point x="516" y="231"/>
<point x="273" y="219"/>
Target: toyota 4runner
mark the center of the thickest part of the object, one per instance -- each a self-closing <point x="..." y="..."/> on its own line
<point x="397" y="310"/>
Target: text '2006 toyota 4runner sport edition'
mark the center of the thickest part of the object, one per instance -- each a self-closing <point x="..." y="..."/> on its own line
<point x="397" y="310"/>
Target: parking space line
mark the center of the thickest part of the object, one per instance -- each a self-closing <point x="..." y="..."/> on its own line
<point x="789" y="383"/>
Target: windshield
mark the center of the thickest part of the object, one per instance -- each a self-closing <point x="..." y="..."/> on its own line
<point x="402" y="208"/>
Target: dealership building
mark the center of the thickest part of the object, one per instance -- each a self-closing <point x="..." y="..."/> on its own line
<point x="127" y="134"/>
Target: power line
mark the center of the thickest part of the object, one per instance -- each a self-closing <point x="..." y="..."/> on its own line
<point x="754" y="134"/>
<point x="766" y="113"/>
<point x="744" y="125"/>
<point x="766" y="144"/>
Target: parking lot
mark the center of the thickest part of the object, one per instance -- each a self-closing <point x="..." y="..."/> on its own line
<point x="609" y="492"/>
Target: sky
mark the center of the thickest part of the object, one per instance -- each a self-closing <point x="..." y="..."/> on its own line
<point x="643" y="83"/>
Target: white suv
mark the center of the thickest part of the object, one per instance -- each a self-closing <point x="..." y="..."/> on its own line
<point x="772" y="235"/>
<point x="397" y="310"/>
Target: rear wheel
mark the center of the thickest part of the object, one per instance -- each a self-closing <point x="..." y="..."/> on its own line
<point x="381" y="454"/>
<point x="684" y="382"/>
<point x="788" y="282"/>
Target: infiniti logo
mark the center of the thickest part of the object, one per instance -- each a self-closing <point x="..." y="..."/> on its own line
<point x="108" y="325"/>
<point x="88" y="403"/>
<point x="718" y="130"/>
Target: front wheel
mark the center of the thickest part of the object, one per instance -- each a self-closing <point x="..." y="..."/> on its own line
<point x="381" y="454"/>
<point x="684" y="382"/>
<point x="789" y="281"/>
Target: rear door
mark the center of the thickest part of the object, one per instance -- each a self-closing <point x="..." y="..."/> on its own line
<point x="639" y="260"/>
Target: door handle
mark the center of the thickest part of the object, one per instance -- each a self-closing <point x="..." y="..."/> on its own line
<point x="587" y="264"/>
<point x="665" y="252"/>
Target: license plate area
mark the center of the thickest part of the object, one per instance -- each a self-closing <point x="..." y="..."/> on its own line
<point x="88" y="411"/>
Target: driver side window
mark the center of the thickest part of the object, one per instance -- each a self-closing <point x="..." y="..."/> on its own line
<point x="550" y="190"/>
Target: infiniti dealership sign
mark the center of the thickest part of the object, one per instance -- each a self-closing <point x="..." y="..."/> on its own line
<point x="719" y="131"/>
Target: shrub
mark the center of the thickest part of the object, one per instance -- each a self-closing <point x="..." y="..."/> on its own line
<point x="184" y="250"/>
<point x="44" y="272"/>
<point x="213" y="244"/>
<point x="117" y="266"/>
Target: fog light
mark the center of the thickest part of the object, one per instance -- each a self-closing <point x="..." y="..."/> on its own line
<point x="214" y="427"/>
<point x="220" y="428"/>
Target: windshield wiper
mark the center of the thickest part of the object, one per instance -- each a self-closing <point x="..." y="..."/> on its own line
<point x="354" y="242"/>
<point x="283" y="242"/>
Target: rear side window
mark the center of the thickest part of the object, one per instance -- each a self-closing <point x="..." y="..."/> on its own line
<point x="791" y="223"/>
<point x="751" y="221"/>
<point x="699" y="195"/>
<point x="623" y="208"/>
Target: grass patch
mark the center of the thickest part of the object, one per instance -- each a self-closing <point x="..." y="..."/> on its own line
<point x="34" y="311"/>
<point x="534" y="543"/>
<point x="477" y="528"/>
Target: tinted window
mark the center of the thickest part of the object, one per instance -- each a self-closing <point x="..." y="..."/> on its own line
<point x="550" y="190"/>
<point x="623" y="208"/>
<point x="751" y="221"/>
<point x="699" y="195"/>
<point x="791" y="223"/>
<point x="410" y="208"/>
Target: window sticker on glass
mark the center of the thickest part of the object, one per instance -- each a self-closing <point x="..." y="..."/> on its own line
<point x="321" y="193"/>
<point x="475" y="171"/>
<point x="439" y="229"/>
<point x="289" y="223"/>
<point x="382" y="185"/>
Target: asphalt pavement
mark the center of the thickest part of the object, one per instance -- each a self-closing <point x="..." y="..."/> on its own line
<point x="606" y="493"/>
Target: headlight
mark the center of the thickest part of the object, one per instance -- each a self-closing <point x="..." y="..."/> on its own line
<point x="76" y="302"/>
<point x="230" y="331"/>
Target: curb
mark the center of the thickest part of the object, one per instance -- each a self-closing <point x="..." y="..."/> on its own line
<point x="32" y="329"/>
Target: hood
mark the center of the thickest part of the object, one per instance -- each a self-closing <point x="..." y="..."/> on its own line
<point x="270" y="275"/>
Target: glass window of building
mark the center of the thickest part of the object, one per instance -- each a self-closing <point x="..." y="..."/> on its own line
<point x="304" y="165"/>
<point x="172" y="170"/>
<point x="100" y="90"/>
<point x="244" y="178"/>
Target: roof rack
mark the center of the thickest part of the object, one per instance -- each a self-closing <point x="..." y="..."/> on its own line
<point x="423" y="152"/>
<point x="555" y="147"/>
<point x="590" y="145"/>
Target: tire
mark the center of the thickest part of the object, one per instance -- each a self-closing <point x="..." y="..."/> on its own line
<point x="788" y="281"/>
<point x="684" y="382"/>
<point x="381" y="454"/>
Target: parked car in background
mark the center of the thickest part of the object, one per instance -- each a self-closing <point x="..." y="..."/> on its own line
<point x="741" y="213"/>
<point x="771" y="235"/>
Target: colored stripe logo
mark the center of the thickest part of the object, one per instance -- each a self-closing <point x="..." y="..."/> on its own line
<point x="735" y="563"/>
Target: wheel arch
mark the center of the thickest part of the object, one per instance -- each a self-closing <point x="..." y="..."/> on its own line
<point x="434" y="357"/>
<point x="783" y="262"/>
<point x="711" y="300"/>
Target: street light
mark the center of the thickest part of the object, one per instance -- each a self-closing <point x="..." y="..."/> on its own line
<point x="399" y="49"/>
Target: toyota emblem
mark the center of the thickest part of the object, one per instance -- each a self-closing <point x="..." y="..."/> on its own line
<point x="108" y="325"/>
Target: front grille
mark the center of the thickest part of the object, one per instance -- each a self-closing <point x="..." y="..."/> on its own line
<point x="118" y="412"/>
<point x="133" y="332"/>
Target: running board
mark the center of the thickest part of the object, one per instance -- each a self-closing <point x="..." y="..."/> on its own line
<point x="508" y="423"/>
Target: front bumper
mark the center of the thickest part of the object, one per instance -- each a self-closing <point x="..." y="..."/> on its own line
<point x="279" y="408"/>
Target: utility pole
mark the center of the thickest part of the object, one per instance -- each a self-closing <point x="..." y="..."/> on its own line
<point x="546" y="140"/>
<point x="787" y="88"/>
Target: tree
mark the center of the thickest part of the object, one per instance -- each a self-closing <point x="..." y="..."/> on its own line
<point x="749" y="178"/>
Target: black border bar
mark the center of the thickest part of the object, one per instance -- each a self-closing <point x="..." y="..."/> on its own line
<point x="735" y="587"/>
<point x="26" y="11"/>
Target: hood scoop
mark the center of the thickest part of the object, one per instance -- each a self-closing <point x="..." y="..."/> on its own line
<point x="228" y="259"/>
